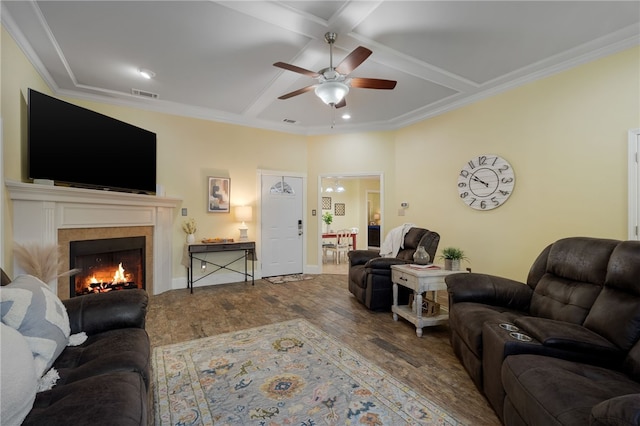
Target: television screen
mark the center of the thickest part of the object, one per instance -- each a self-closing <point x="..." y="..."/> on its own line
<point x="73" y="145"/>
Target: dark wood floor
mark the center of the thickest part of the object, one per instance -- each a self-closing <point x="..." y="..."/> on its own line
<point x="426" y="364"/>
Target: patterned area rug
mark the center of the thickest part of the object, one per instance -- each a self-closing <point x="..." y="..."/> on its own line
<point x="288" y="373"/>
<point x="288" y="278"/>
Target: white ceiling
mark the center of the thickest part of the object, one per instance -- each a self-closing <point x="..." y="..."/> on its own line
<point x="214" y="59"/>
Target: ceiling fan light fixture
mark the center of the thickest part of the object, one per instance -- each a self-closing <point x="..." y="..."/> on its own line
<point x="332" y="92"/>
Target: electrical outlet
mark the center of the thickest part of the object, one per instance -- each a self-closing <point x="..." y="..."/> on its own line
<point x="184" y="211"/>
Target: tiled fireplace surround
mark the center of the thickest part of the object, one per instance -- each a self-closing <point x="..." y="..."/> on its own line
<point x="57" y="215"/>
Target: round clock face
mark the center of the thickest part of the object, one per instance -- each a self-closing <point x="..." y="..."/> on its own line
<point x="486" y="182"/>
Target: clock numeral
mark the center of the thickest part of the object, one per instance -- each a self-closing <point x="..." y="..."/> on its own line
<point x="503" y="192"/>
<point x="495" y="201"/>
<point x="482" y="160"/>
<point x="464" y="174"/>
<point x="494" y="161"/>
<point x="471" y="165"/>
<point x="464" y="195"/>
<point x="483" y="204"/>
<point x="503" y="168"/>
<point x="506" y="180"/>
<point x="473" y="200"/>
<point x="462" y="184"/>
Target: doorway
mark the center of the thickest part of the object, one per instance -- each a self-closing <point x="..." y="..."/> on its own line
<point x="346" y="197"/>
<point x="282" y="227"/>
<point x="634" y="184"/>
<point x="374" y="217"/>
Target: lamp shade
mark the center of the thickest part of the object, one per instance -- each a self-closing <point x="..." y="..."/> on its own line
<point x="244" y="214"/>
<point x="332" y="92"/>
<point x="376" y="216"/>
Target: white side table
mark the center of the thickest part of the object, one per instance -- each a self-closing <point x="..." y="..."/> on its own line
<point x="420" y="281"/>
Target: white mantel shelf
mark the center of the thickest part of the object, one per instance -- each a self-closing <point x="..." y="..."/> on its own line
<point x="35" y="192"/>
<point x="39" y="211"/>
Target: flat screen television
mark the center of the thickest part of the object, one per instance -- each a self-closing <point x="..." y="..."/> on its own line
<point x="76" y="146"/>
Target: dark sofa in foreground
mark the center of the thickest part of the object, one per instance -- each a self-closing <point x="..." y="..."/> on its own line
<point x="104" y="380"/>
<point x="562" y="349"/>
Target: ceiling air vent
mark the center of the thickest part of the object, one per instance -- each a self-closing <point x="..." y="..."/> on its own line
<point x="289" y="121"/>
<point x="145" y="94"/>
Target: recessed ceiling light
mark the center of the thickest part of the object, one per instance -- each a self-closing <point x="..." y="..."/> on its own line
<point x="346" y="116"/>
<point x="148" y="74"/>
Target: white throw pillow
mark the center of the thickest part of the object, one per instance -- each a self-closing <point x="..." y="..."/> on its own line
<point x="29" y="306"/>
<point x="18" y="380"/>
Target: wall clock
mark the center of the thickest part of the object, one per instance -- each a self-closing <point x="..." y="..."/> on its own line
<point x="486" y="182"/>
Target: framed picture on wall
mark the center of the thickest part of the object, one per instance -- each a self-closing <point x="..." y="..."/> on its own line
<point x="218" y="195"/>
<point x="339" y="209"/>
<point x="326" y="203"/>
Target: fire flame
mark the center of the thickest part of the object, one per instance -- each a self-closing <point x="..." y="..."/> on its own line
<point x="119" y="275"/>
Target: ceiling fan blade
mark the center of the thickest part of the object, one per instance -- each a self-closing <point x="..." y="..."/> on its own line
<point x="342" y="103"/>
<point x="353" y="60"/>
<point x="294" y="68"/>
<point x="297" y="92"/>
<point x="373" y="83"/>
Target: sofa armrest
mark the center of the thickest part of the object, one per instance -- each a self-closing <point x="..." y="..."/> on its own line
<point x="488" y="289"/>
<point x="384" y="263"/>
<point x="621" y="410"/>
<point x="95" y="313"/>
<point x="360" y="257"/>
<point x="571" y="337"/>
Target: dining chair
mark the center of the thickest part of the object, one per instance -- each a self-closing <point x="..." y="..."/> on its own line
<point x="343" y="241"/>
<point x="328" y="245"/>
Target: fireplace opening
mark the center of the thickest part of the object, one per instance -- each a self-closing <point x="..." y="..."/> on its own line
<point x="109" y="264"/>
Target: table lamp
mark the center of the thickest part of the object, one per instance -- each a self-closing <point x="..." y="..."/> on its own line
<point x="376" y="218"/>
<point x="244" y="214"/>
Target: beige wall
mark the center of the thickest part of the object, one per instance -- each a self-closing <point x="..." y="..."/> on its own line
<point x="564" y="135"/>
<point x="189" y="150"/>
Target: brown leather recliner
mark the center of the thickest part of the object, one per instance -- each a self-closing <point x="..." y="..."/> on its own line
<point x="370" y="274"/>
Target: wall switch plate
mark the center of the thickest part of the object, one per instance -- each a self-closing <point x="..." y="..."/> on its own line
<point x="313" y="212"/>
<point x="184" y="211"/>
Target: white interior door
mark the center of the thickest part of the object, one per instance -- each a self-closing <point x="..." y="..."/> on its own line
<point x="282" y="227"/>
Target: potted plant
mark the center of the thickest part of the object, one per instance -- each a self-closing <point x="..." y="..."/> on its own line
<point x="327" y="218"/>
<point x="452" y="257"/>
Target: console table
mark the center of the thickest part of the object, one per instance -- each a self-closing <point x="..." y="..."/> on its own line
<point x="197" y="252"/>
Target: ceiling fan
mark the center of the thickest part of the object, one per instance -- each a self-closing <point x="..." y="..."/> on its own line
<point x="334" y="83"/>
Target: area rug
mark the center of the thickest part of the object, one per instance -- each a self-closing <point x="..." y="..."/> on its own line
<point x="289" y="373"/>
<point x="288" y="278"/>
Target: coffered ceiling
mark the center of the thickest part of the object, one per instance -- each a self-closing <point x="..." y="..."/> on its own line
<point x="214" y="59"/>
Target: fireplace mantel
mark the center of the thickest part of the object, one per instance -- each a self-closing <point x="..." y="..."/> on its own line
<point x="39" y="211"/>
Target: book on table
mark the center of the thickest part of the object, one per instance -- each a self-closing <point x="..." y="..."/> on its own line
<point x="429" y="266"/>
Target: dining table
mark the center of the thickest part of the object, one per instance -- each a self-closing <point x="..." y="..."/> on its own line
<point x="354" y="237"/>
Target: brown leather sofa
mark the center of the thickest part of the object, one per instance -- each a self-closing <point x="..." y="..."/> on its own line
<point x="579" y="316"/>
<point x="370" y="274"/>
<point x="106" y="379"/>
